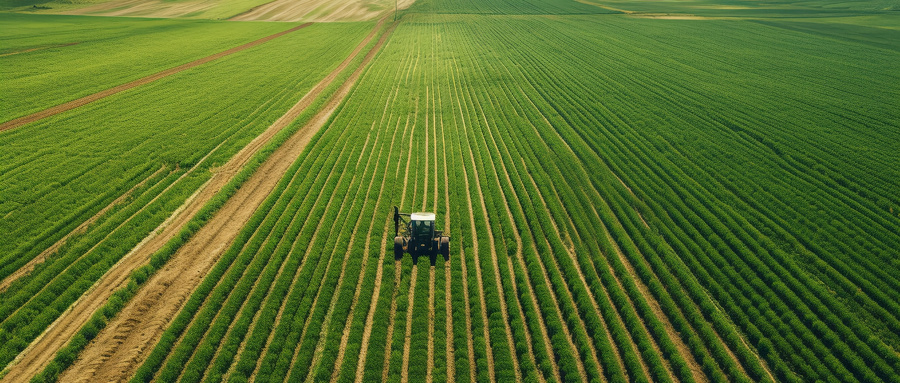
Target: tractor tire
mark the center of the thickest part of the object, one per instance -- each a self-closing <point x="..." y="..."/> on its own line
<point x="445" y="248"/>
<point x="398" y="248"/>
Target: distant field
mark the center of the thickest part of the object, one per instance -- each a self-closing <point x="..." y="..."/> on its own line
<point x="692" y="191"/>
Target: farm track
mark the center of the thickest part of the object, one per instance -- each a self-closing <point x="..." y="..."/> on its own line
<point x="121" y="336"/>
<point x="17" y="122"/>
<point x="448" y="306"/>
<point x="404" y="370"/>
<point x="40" y="258"/>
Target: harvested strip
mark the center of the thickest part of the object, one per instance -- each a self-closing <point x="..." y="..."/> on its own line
<point x="40" y="258"/>
<point x="42" y="351"/>
<point x="15" y="123"/>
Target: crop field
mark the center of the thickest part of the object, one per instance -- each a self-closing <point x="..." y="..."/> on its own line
<point x="695" y="191"/>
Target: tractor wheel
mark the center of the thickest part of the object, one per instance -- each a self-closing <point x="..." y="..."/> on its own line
<point x="398" y="247"/>
<point x="445" y="248"/>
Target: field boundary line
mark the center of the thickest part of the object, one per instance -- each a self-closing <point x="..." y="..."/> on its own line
<point x="17" y="122"/>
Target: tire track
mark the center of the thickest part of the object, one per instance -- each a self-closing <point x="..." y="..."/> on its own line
<point x="17" y="122"/>
<point x="404" y="370"/>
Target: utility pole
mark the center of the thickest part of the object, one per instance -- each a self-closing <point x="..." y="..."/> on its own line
<point x="396" y="2"/>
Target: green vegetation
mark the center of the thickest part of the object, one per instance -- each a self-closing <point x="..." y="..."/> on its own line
<point x="106" y="52"/>
<point x="729" y="144"/>
<point x="186" y="124"/>
<point x="636" y="191"/>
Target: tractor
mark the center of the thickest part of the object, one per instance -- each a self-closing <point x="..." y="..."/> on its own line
<point x="417" y="236"/>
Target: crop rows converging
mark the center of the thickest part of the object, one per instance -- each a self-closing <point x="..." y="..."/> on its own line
<point x="106" y="175"/>
<point x="618" y="210"/>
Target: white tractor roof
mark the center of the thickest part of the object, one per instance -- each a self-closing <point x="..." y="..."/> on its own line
<point x="421" y="217"/>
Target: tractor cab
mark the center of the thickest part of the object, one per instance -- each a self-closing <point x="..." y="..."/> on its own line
<point x="418" y="236"/>
<point x="422" y="226"/>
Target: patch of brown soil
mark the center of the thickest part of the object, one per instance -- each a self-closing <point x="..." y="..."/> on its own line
<point x="320" y="10"/>
<point x="15" y="123"/>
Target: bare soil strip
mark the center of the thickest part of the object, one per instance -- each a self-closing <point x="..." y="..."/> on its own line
<point x="448" y="307"/>
<point x="404" y="370"/>
<point x="125" y="342"/>
<point x="15" y="123"/>
<point x="40" y="258"/>
<point x="429" y="368"/>
<point x="37" y="49"/>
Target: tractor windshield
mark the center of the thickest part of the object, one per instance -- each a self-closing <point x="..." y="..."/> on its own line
<point x="422" y="229"/>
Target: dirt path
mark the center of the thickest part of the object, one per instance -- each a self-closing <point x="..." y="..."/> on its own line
<point x="404" y="370"/>
<point x="15" y="123"/>
<point x="40" y="258"/>
<point x="429" y="368"/>
<point x="448" y="306"/>
<point x="121" y="347"/>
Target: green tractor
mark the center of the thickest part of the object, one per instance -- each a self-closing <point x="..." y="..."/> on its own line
<point x="417" y="236"/>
